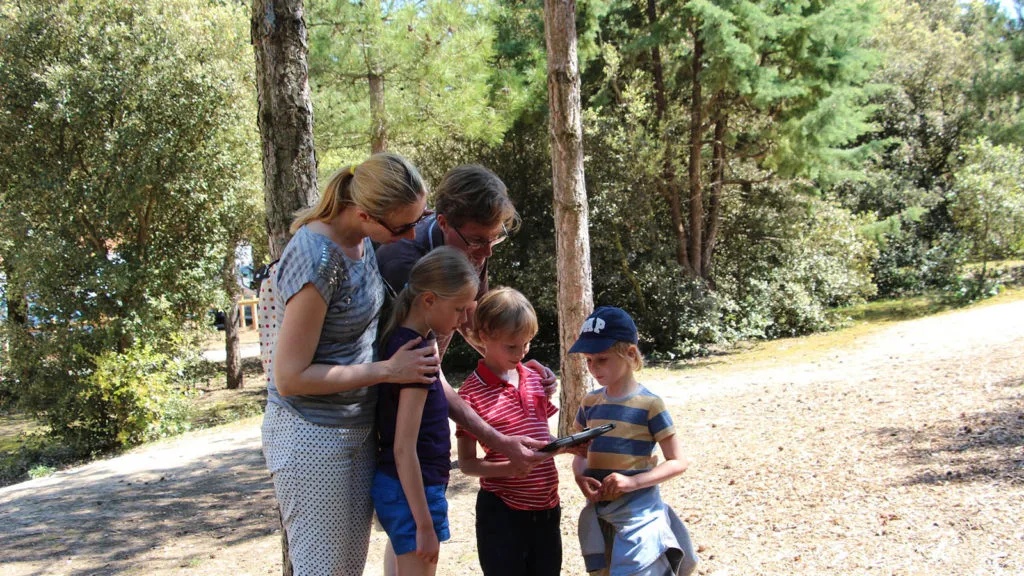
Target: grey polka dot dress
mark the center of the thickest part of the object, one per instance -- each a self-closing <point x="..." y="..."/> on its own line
<point x="322" y="480"/>
<point x="321" y="449"/>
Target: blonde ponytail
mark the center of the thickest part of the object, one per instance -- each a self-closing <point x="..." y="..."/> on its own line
<point x="378" y="186"/>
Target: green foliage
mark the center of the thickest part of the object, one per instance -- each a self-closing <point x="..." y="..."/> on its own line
<point x="36" y="451"/>
<point x="434" y="60"/>
<point x="988" y="200"/>
<point x="907" y="266"/>
<point x="41" y="471"/>
<point x="129" y="155"/>
<point x="788" y="261"/>
<point x="127" y="398"/>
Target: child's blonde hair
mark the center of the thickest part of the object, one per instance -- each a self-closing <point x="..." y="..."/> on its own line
<point x="381" y="184"/>
<point x="630" y="352"/>
<point x="505" y="311"/>
<point x="445" y="271"/>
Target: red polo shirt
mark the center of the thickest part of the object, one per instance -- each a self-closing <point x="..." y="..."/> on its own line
<point x="522" y="411"/>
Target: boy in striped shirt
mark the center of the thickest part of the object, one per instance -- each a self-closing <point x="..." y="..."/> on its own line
<point x="626" y="529"/>
<point x="517" y="518"/>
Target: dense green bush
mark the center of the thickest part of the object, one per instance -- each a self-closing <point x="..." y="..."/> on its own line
<point x="787" y="260"/>
<point x="122" y="400"/>
<point x="907" y="264"/>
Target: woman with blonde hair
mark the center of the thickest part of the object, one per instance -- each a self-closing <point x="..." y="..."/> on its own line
<point x="318" y="430"/>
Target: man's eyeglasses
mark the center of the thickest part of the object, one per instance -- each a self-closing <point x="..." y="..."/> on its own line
<point x="478" y="245"/>
<point x="404" y="227"/>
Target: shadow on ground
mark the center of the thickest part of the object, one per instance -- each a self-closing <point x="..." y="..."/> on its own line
<point x="985" y="446"/>
<point x="106" y="520"/>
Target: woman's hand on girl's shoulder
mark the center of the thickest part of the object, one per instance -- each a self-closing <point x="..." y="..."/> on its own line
<point x="412" y="365"/>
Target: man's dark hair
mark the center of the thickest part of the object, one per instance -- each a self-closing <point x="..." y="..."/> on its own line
<point x="472" y="193"/>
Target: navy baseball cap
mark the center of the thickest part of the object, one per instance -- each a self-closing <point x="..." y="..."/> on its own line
<point x="602" y="329"/>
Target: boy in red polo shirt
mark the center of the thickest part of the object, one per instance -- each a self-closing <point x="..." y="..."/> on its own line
<point x="517" y="519"/>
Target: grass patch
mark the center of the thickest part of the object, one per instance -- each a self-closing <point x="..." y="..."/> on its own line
<point x="30" y="454"/>
<point x="216" y="405"/>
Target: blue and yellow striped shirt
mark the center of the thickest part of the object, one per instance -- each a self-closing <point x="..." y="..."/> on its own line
<point x="641" y="421"/>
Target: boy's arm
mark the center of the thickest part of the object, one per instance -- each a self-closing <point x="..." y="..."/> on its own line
<point x="407" y="429"/>
<point x="675" y="463"/>
<point x="472" y="465"/>
<point x="590" y="487"/>
<point x="520" y="450"/>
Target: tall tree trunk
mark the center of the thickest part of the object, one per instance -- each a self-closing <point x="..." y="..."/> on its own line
<point x="660" y="98"/>
<point x="715" y="200"/>
<point x="232" y="350"/>
<point x="19" y="342"/>
<point x="378" y="117"/>
<point x="285" y="118"/>
<point x="696" y="135"/>
<point x="572" y="238"/>
<point x="669" y="186"/>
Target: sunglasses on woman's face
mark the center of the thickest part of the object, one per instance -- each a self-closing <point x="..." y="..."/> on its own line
<point x="404" y="227"/>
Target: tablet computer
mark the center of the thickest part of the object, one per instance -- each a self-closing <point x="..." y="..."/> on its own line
<point x="578" y="438"/>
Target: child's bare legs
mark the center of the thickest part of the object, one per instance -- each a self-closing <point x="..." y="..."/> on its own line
<point x="390" y="563"/>
<point x="412" y="565"/>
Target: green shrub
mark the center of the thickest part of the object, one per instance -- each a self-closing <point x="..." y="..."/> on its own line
<point x="787" y="261"/>
<point x="41" y="471"/>
<point x="909" y="263"/>
<point x="126" y="399"/>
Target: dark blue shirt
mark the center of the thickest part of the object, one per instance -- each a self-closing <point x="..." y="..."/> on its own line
<point x="433" y="444"/>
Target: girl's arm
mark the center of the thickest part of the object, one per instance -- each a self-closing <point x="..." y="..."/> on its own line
<point x="675" y="463"/>
<point x="295" y="373"/>
<point x="407" y="429"/>
<point x="472" y="465"/>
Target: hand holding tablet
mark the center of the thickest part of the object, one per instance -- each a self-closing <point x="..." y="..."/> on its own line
<point x="578" y="438"/>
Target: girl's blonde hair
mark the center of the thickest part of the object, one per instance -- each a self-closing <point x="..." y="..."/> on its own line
<point x="506" y="311"/>
<point x="630" y="352"/>
<point x="445" y="271"/>
<point x="382" y="183"/>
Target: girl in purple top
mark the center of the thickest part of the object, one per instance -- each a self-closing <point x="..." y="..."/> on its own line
<point x="412" y="419"/>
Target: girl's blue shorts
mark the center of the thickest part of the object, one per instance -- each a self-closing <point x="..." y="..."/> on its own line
<point x="396" y="517"/>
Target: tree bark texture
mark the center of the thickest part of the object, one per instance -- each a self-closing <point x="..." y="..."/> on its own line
<point x="718" y="160"/>
<point x="572" y="238"/>
<point x="285" y="118"/>
<point x="669" y="186"/>
<point x="696" y="136"/>
<point x="232" y="349"/>
<point x="378" y="115"/>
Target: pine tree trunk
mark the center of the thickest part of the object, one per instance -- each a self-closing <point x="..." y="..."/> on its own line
<point x="572" y="238"/>
<point x="285" y="118"/>
<point x="232" y="350"/>
<point x="711" y="222"/>
<point x="378" y="117"/>
<point x="696" y="134"/>
<point x="669" y="187"/>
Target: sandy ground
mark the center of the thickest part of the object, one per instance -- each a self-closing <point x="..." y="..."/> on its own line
<point x="901" y="453"/>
